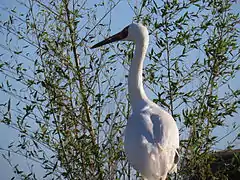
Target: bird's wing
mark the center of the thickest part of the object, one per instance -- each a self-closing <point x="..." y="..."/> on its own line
<point x="165" y="130"/>
<point x="162" y="149"/>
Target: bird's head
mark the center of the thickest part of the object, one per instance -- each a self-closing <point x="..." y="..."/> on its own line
<point x="133" y="32"/>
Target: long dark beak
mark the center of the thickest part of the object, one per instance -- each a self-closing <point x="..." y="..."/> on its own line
<point x="117" y="37"/>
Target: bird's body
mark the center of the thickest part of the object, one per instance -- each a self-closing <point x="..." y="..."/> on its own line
<point x="149" y="145"/>
<point x="151" y="135"/>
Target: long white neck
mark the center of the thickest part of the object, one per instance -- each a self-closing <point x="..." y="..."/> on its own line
<point x="137" y="94"/>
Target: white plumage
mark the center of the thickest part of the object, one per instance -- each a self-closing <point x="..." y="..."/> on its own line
<point x="151" y="135"/>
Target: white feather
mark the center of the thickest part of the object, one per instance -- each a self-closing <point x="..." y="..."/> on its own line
<point x="151" y="135"/>
<point x="151" y="141"/>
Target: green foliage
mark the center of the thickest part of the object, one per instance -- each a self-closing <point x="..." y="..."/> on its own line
<point x="69" y="104"/>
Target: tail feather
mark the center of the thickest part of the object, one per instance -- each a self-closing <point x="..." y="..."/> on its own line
<point x="176" y="159"/>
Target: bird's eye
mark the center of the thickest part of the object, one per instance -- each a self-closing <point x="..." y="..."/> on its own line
<point x="125" y="31"/>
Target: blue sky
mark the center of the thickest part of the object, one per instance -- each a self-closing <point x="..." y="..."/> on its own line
<point x="8" y="134"/>
<point x="118" y="21"/>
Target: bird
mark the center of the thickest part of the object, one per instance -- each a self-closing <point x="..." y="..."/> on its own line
<point x="151" y="139"/>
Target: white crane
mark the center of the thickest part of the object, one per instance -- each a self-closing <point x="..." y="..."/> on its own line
<point x="151" y="135"/>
